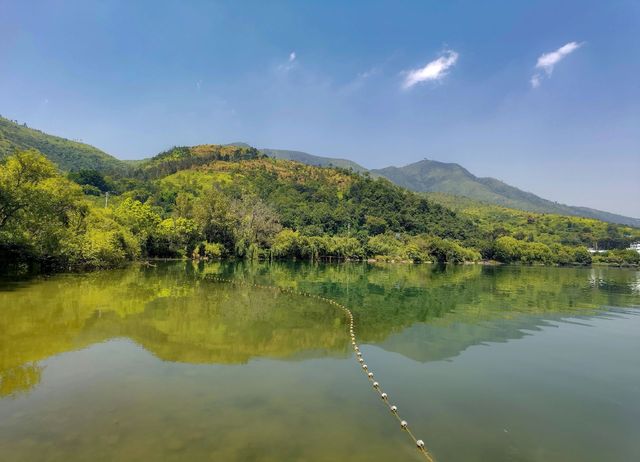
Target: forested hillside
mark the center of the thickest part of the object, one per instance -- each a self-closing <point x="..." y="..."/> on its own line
<point x="423" y="176"/>
<point x="433" y="176"/>
<point x="549" y="229"/>
<point x="183" y="157"/>
<point x="66" y="154"/>
<point x="216" y="201"/>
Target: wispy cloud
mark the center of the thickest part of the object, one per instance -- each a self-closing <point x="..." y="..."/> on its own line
<point x="359" y="80"/>
<point x="290" y="64"/>
<point x="535" y="80"/>
<point x="433" y="71"/>
<point x="368" y="73"/>
<point x="547" y="61"/>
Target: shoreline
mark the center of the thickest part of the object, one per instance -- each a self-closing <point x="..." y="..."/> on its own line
<point x="34" y="269"/>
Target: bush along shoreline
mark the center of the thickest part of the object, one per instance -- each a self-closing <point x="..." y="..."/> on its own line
<point x="236" y="203"/>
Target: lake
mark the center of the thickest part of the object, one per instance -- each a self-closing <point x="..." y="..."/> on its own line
<point x="166" y="364"/>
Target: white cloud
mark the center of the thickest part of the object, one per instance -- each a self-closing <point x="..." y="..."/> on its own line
<point x="547" y="61"/>
<point x="289" y="64"/>
<point x="535" y="81"/>
<point x="435" y="70"/>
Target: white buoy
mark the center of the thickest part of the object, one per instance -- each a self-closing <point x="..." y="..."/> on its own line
<point x="420" y="444"/>
<point x="365" y="367"/>
<point x="376" y="384"/>
<point x="384" y="396"/>
<point x="404" y="424"/>
<point x="370" y="375"/>
<point x="394" y="409"/>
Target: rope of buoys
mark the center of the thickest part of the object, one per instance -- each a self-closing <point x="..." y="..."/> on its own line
<point x="393" y="409"/>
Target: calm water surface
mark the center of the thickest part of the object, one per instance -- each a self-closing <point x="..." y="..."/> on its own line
<point x="486" y="364"/>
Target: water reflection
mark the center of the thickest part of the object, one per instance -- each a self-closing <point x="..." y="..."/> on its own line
<point x="176" y="311"/>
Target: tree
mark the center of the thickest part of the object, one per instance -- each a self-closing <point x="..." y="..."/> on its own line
<point x="41" y="212"/>
<point x="256" y="225"/>
<point x="507" y="249"/>
<point x="287" y="243"/>
<point x="212" y="214"/>
<point x="176" y="237"/>
<point x="90" y="177"/>
<point x="141" y="220"/>
<point x="20" y="179"/>
<point x="184" y="205"/>
<point x="384" y="244"/>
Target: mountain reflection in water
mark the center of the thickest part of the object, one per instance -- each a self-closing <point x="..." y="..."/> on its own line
<point x="176" y="312"/>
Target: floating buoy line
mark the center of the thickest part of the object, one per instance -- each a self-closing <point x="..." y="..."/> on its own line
<point x="393" y="409"/>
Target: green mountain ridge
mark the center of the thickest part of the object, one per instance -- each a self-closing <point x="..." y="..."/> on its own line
<point x="184" y="157"/>
<point x="66" y="154"/>
<point x="433" y="176"/>
<point x="451" y="178"/>
<point x="310" y="159"/>
<point x="422" y="176"/>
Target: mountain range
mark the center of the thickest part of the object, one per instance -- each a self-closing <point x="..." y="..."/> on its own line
<point x="450" y="178"/>
<point x="423" y="176"/>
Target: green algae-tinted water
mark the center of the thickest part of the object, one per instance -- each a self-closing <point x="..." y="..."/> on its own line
<point x="164" y="364"/>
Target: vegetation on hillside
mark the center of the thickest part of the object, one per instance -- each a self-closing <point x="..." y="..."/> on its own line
<point x="183" y="157"/>
<point x="423" y="176"/>
<point x="538" y="227"/>
<point x="449" y="178"/>
<point x="517" y="235"/>
<point x="231" y="201"/>
<point x="310" y="159"/>
<point x="66" y="154"/>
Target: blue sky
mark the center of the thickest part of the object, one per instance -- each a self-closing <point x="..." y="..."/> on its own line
<point x="543" y="95"/>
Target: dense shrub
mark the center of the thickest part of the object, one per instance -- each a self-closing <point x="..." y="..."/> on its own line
<point x="510" y="250"/>
<point x="209" y="251"/>
<point x="618" y="257"/>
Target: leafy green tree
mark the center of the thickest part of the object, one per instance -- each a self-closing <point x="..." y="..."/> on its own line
<point x="41" y="212"/>
<point x="507" y="249"/>
<point x="213" y="215"/>
<point x="90" y="177"/>
<point x="375" y="225"/>
<point x="209" y="250"/>
<point x="141" y="220"/>
<point x="256" y="225"/>
<point x="384" y="245"/>
<point x="184" y="205"/>
<point x="287" y="244"/>
<point x="346" y="247"/>
<point x="581" y="255"/>
<point x="176" y="237"/>
<point x="21" y="180"/>
<point x="106" y="242"/>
